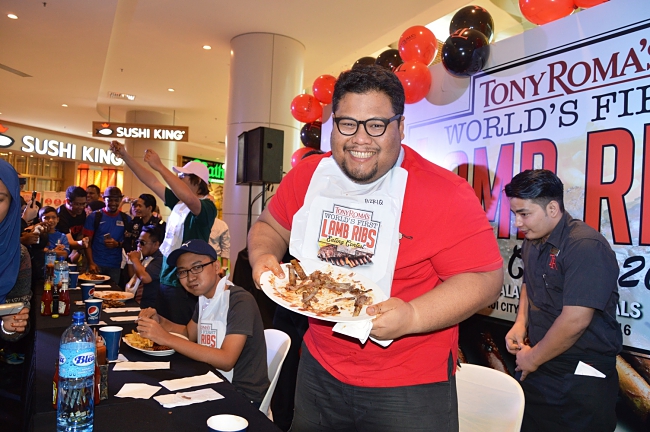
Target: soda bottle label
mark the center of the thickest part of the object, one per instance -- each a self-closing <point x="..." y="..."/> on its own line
<point x="76" y="360"/>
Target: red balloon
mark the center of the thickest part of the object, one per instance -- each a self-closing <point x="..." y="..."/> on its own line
<point x="541" y="12"/>
<point x="324" y="88"/>
<point x="297" y="156"/>
<point x="306" y="108"/>
<point x="588" y="3"/>
<point x="418" y="43"/>
<point x="416" y="80"/>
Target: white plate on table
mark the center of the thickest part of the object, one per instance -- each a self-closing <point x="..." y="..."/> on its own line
<point x="113" y="295"/>
<point x="151" y="352"/>
<point x="101" y="279"/>
<point x="270" y="284"/>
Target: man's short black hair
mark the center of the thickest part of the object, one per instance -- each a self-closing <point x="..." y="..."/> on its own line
<point x="366" y="79"/>
<point x="540" y="186"/>
<point x="73" y="192"/>
<point x="154" y="232"/>
<point x="148" y="200"/>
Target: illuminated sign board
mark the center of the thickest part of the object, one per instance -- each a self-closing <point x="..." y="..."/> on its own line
<point x="140" y="131"/>
<point x="51" y="147"/>
<point x="215" y="169"/>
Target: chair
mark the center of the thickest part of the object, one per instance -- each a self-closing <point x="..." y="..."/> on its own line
<point x="277" y="347"/>
<point x="488" y="400"/>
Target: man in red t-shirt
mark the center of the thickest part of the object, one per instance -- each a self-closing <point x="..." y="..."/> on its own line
<point x="447" y="267"/>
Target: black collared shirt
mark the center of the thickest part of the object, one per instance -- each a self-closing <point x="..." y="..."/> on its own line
<point x="574" y="267"/>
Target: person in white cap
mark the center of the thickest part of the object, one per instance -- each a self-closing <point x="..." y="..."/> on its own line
<point x="192" y="216"/>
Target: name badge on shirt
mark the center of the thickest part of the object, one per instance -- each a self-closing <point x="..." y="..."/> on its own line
<point x="119" y="223"/>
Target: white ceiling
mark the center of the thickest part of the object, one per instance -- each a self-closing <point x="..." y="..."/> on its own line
<point x="76" y="51"/>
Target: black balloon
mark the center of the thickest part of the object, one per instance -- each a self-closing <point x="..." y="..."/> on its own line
<point x="474" y="17"/>
<point x="465" y="52"/>
<point x="310" y="135"/>
<point x="389" y="59"/>
<point x="364" y="61"/>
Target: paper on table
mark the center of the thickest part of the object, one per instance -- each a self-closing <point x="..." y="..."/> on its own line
<point x="140" y="366"/>
<point x="359" y="330"/>
<point x="121" y="309"/>
<point x="187" y="398"/>
<point x="198" y="380"/>
<point x="137" y="391"/>
<point x="125" y="318"/>
<point x="120" y="359"/>
<point x="103" y="286"/>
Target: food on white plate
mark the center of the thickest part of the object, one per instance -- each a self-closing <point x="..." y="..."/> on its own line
<point x="321" y="292"/>
<point x="134" y="339"/>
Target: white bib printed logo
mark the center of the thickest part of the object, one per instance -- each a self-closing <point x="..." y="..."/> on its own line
<point x="347" y="236"/>
<point x="208" y="335"/>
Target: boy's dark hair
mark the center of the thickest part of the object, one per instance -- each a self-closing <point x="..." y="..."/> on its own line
<point x="198" y="181"/>
<point x="46" y="209"/>
<point x="73" y="192"/>
<point x="153" y="231"/>
<point x="540" y="186"/>
<point x="365" y="79"/>
<point x="148" y="200"/>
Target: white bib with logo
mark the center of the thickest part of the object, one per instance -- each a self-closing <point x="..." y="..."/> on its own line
<point x="349" y="224"/>
<point x="213" y="319"/>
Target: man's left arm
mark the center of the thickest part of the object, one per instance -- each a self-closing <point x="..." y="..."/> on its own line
<point x="451" y="302"/>
<point x="565" y="331"/>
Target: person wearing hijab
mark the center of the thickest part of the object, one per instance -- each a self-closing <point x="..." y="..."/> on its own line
<point x="15" y="264"/>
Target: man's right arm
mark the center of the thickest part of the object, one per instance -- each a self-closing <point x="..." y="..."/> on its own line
<point x="517" y="334"/>
<point x="267" y="243"/>
<point x="143" y="174"/>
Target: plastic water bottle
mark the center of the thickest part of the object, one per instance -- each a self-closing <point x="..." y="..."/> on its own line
<point x="75" y="399"/>
<point x="61" y="272"/>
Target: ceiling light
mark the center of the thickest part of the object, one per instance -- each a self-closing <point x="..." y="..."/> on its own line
<point x="12" y="16"/>
<point x="64" y="105"/>
<point x="207" y="47"/>
<point x="170" y="89"/>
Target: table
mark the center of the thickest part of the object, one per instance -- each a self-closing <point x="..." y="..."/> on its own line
<point x="116" y="414"/>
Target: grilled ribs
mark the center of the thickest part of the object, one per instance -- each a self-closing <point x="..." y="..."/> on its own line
<point x="334" y="255"/>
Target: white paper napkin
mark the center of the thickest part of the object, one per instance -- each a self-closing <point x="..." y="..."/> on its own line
<point x="140" y="366"/>
<point x="137" y="391"/>
<point x="187" y="398"/>
<point x="103" y="286"/>
<point x="194" y="381"/>
<point x="587" y="370"/>
<point x="120" y="359"/>
<point x="359" y="330"/>
<point x="99" y="323"/>
<point x="122" y="309"/>
<point x="125" y="318"/>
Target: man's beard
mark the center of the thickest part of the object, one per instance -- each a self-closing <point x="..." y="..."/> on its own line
<point x="360" y="178"/>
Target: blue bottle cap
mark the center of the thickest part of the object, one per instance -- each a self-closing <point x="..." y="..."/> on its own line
<point x="78" y="317"/>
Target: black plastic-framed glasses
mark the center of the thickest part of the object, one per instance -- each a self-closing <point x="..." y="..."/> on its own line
<point x="182" y="274"/>
<point x="374" y="127"/>
<point x="142" y="242"/>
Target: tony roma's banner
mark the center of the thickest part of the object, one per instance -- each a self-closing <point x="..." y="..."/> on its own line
<point x="573" y="97"/>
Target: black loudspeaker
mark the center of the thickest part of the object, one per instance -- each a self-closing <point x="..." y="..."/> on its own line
<point x="259" y="156"/>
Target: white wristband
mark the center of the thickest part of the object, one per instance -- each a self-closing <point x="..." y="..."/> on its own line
<point x="5" y="331"/>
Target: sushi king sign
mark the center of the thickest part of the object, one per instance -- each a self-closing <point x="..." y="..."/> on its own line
<point x="140" y="131"/>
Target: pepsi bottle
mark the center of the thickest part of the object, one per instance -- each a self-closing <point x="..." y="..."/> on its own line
<point x="75" y="398"/>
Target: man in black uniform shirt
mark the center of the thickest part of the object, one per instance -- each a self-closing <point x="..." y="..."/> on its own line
<point x="565" y="337"/>
<point x="72" y="216"/>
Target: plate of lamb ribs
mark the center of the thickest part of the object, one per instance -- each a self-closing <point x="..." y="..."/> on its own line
<point x="322" y="291"/>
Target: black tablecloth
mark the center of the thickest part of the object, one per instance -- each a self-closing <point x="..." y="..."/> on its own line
<point x="116" y="414"/>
